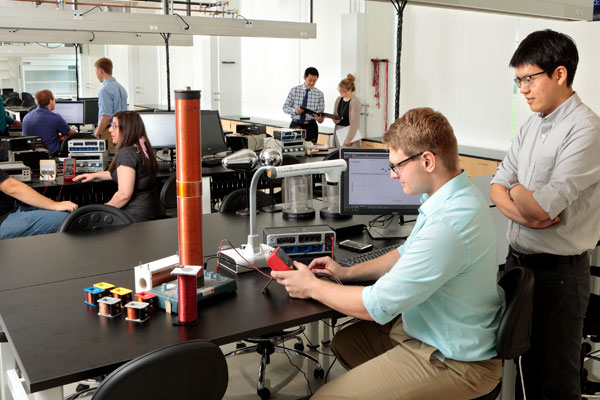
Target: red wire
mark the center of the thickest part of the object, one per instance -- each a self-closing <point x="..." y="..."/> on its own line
<point x="385" y="112"/>
<point x="332" y="246"/>
<point x="60" y="191"/>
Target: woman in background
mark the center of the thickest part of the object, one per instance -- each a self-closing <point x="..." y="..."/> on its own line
<point x="347" y="107"/>
<point x="133" y="168"/>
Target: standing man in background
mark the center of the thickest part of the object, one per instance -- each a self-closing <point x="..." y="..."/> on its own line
<point x="45" y="123"/>
<point x="112" y="98"/>
<point x="548" y="186"/>
<point x="306" y="95"/>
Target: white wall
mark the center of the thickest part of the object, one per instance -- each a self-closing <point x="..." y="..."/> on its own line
<point x="457" y="63"/>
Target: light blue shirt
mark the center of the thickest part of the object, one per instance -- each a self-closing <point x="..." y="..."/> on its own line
<point x="444" y="283"/>
<point x="112" y="98"/>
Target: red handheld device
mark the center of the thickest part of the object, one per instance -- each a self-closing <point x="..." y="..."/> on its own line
<point x="279" y="261"/>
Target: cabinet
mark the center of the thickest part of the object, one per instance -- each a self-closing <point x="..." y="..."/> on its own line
<point x="474" y="166"/>
<point x="367" y="144"/>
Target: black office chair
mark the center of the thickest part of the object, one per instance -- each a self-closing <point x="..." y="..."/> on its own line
<point x="27" y="96"/>
<point x="168" y="196"/>
<point x="95" y="217"/>
<point x="514" y="331"/>
<point x="269" y="344"/>
<point x="236" y="200"/>
<point x="591" y="331"/>
<point x="30" y="102"/>
<point x="13" y="102"/>
<point x="185" y="371"/>
<point x="64" y="147"/>
<point x="13" y="95"/>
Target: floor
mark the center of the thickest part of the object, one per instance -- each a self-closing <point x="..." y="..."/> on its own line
<point x="284" y="381"/>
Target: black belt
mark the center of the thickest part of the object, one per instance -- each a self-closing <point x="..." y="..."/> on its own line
<point x="526" y="260"/>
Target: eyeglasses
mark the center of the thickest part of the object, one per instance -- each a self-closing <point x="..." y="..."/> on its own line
<point x="394" y="167"/>
<point x="528" y="80"/>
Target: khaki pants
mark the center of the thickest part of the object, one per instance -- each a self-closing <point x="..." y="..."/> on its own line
<point x="385" y="363"/>
<point x="109" y="143"/>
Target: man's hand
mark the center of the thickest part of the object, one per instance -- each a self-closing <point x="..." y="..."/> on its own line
<point x="543" y="224"/>
<point x="326" y="262"/>
<point x="299" y="111"/>
<point x="299" y="283"/>
<point x="65" y="206"/>
<point x="319" y="117"/>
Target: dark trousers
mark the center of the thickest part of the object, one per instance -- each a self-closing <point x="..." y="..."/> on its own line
<point x="551" y="367"/>
<point x="312" y="129"/>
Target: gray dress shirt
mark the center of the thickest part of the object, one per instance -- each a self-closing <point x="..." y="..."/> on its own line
<point x="558" y="157"/>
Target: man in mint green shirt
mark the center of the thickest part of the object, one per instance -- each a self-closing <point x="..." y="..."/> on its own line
<point x="429" y="321"/>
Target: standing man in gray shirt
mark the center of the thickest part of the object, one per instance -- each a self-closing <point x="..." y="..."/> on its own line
<point x="548" y="186"/>
<point x="112" y="98"/>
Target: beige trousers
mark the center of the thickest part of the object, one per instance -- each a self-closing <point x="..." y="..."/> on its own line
<point x="106" y="135"/>
<point x="385" y="363"/>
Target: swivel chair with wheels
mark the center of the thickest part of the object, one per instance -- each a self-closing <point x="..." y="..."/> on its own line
<point x="269" y="344"/>
<point x="13" y="102"/>
<point x="185" y="371"/>
<point x="514" y="331"/>
<point x="28" y="102"/>
<point x="238" y="200"/>
<point x="95" y="217"/>
<point x="591" y="332"/>
<point x="168" y="196"/>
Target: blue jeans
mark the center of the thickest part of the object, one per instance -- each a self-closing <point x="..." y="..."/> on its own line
<point x="30" y="221"/>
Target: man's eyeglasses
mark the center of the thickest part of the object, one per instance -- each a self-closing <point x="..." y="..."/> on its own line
<point x="395" y="167"/>
<point x="528" y="80"/>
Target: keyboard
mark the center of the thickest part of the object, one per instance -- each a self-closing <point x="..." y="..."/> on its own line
<point x="369" y="255"/>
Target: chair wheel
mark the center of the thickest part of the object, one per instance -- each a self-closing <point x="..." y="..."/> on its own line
<point x="264" y="393"/>
<point x="81" y="387"/>
<point x="240" y="345"/>
<point x="299" y="346"/>
<point x="319" y="373"/>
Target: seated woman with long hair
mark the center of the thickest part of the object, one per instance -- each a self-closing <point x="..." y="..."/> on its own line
<point x="133" y="168"/>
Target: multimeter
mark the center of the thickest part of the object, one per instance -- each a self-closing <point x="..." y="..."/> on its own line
<point x="69" y="167"/>
<point x="279" y="261"/>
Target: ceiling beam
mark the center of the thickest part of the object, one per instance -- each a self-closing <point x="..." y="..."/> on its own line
<point x="18" y="35"/>
<point x="49" y="18"/>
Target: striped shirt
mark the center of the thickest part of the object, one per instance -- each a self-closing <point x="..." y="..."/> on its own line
<point x="315" y="101"/>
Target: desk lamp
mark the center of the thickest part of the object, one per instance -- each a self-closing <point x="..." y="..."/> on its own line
<point x="244" y="161"/>
<point x="271" y="156"/>
<point x="254" y="251"/>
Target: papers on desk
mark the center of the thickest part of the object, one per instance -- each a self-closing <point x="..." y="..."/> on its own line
<point x="341" y="133"/>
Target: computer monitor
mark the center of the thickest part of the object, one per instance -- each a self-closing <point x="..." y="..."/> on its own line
<point x="71" y="111"/>
<point x="160" y="129"/>
<point x="90" y="110"/>
<point x="213" y="138"/>
<point x="7" y="90"/>
<point x="367" y="188"/>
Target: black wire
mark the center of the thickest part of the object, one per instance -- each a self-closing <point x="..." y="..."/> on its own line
<point x="166" y="37"/>
<point x="329" y="369"/>
<point x="399" y="6"/>
<point x="93" y="37"/>
<point x="314" y="348"/>
<point x="298" y="368"/>
<point x="187" y="26"/>
<point x="91" y="9"/>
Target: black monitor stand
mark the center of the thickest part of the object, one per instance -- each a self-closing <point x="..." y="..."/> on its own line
<point x="391" y="227"/>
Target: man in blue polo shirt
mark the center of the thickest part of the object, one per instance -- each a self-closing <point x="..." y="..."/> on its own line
<point x="429" y="322"/>
<point x="43" y="122"/>
<point x="112" y="98"/>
